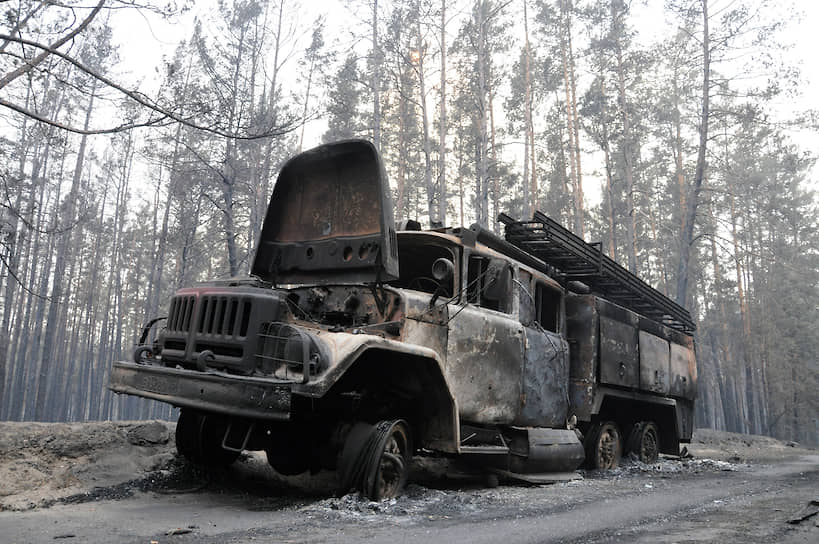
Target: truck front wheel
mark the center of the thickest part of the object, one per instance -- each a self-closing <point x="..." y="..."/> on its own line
<point x="603" y="445"/>
<point x="376" y="459"/>
<point x="199" y="439"/>
<point x="289" y="451"/>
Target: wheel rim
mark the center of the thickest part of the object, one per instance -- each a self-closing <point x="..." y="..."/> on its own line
<point x="604" y="447"/>
<point x="375" y="459"/>
<point x="392" y="467"/>
<point x="649" y="447"/>
<point x="607" y="448"/>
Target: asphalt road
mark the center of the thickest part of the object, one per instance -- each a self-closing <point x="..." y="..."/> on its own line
<point x="694" y="502"/>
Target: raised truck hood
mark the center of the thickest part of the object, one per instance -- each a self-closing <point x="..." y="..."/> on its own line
<point x="329" y="220"/>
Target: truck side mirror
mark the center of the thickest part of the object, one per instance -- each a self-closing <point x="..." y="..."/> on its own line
<point x="498" y="280"/>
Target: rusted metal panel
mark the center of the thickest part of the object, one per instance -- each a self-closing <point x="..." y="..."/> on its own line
<point x="425" y="326"/>
<point x="654" y="363"/>
<point x="683" y="372"/>
<point x="544" y="399"/>
<point x="582" y="331"/>
<point x="619" y="363"/>
<point x="484" y="364"/>
<point x="330" y="219"/>
<point x="685" y="420"/>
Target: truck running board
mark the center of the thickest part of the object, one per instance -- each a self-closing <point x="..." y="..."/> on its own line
<point x="542" y="478"/>
<point x="484" y="450"/>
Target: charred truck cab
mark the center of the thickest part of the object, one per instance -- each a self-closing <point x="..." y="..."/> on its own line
<point x="353" y="347"/>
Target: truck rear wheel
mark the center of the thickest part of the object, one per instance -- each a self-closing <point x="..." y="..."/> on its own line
<point x="603" y="445"/>
<point x="644" y="441"/>
<point x="199" y="439"/>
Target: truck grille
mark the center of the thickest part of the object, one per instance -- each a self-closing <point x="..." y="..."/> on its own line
<point x="179" y="316"/>
<point x="218" y="329"/>
<point x="223" y="316"/>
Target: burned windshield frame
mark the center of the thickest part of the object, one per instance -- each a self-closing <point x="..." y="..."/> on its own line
<point x="415" y="261"/>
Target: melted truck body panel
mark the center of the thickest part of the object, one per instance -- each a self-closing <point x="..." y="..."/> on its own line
<point x="614" y="354"/>
<point x="470" y="344"/>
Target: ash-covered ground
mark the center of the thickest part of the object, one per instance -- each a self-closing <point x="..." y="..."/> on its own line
<point x="55" y="470"/>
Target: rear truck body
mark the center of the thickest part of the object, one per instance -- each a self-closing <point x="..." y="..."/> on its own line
<point x="355" y="346"/>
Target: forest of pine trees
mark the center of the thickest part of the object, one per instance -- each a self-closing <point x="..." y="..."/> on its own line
<point x="668" y="148"/>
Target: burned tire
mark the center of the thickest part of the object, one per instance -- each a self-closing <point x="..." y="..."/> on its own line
<point x="376" y="459"/>
<point x="603" y="445"/>
<point x="289" y="452"/>
<point x="644" y="441"/>
<point x="199" y="439"/>
<point x="187" y="435"/>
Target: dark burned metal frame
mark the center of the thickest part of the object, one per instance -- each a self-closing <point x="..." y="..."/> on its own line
<point x="575" y="259"/>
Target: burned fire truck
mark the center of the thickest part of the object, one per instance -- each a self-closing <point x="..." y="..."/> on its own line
<point x="354" y="346"/>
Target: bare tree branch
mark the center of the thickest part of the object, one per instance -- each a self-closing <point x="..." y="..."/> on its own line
<point x="136" y="96"/>
<point x="29" y="65"/>
<point x="90" y="132"/>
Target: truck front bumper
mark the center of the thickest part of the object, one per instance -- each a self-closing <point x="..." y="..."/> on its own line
<point x="215" y="392"/>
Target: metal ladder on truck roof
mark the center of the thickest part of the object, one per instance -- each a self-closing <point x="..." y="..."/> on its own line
<point x="575" y="259"/>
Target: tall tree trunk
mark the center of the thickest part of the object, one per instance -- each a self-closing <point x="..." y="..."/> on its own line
<point x="173" y="176"/>
<point x="89" y="369"/>
<point x="604" y="126"/>
<point x="442" y="126"/>
<point x="718" y="391"/>
<point x="576" y="129"/>
<point x="228" y="173"/>
<point x="30" y="335"/>
<point x="628" y="138"/>
<point x="22" y="351"/>
<point x="677" y="150"/>
<point x="426" y="144"/>
<point x="376" y="80"/>
<point x="687" y="235"/>
<point x="530" y="190"/>
<point x="571" y="125"/>
<point x="102" y="405"/>
<point x="10" y="258"/>
<point x="59" y="266"/>
<point x="495" y="178"/>
<point x="306" y="100"/>
<point x="482" y="181"/>
<point x="401" y="207"/>
<point x="24" y="253"/>
<point x="748" y="357"/>
<point x="273" y="113"/>
<point x="461" y="153"/>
